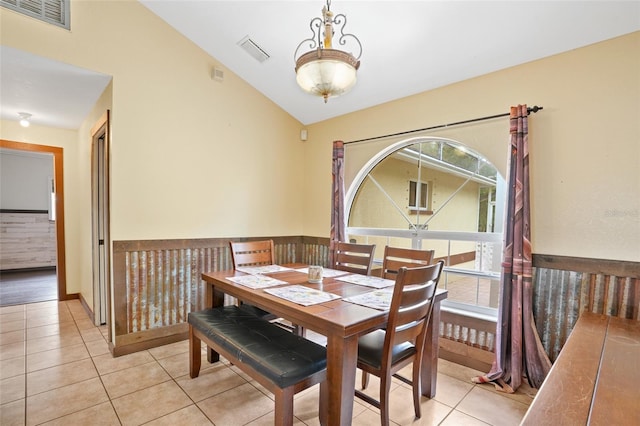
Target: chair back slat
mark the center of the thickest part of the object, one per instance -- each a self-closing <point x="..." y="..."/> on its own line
<point x="411" y="307"/>
<point x="415" y="305"/>
<point x="354" y="258"/>
<point x="397" y="257"/>
<point x="252" y="253"/>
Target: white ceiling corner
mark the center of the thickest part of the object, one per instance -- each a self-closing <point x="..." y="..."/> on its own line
<point x="408" y="47"/>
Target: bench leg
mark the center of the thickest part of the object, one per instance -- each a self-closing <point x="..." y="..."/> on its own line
<point x="284" y="406"/>
<point x="195" y="353"/>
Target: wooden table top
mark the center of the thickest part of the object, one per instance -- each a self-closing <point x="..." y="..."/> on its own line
<point x="336" y="317"/>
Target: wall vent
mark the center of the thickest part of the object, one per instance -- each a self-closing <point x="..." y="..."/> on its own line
<point x="253" y="49"/>
<point x="54" y="12"/>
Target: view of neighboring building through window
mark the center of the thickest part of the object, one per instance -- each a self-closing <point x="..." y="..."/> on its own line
<point x="435" y="193"/>
<point x="419" y="196"/>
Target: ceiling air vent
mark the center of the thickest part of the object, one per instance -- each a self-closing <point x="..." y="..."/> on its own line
<point x="253" y="49"/>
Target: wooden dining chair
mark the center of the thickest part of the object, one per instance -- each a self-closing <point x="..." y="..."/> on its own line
<point x="396" y="257"/>
<point x="253" y="253"/>
<point x="258" y="253"/>
<point x="354" y="258"/>
<point x="384" y="352"/>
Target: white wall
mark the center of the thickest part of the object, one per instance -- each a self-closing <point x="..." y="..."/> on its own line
<point x="24" y="180"/>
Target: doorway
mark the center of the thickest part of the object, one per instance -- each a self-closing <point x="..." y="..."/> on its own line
<point x="101" y="243"/>
<point x="58" y="207"/>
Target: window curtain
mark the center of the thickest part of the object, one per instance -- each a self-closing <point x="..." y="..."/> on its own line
<point x="337" y="198"/>
<point x="518" y="348"/>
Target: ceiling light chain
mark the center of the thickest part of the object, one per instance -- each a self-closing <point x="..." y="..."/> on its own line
<point x="325" y="71"/>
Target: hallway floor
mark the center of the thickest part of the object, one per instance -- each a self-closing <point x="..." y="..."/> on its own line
<point x="20" y="287"/>
<point x="56" y="369"/>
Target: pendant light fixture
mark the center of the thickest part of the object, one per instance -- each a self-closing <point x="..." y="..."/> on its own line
<point x="324" y="70"/>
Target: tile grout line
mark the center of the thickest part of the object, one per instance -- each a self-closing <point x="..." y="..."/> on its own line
<point x="89" y="356"/>
<point x="458" y="403"/>
<point x="98" y="371"/>
<point x="180" y="387"/>
<point x="78" y="317"/>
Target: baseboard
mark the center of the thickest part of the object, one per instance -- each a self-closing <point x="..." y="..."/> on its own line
<point x="130" y="348"/>
<point x="87" y="309"/>
<point x="72" y="296"/>
<point x="32" y="269"/>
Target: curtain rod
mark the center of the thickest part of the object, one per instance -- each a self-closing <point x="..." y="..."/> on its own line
<point x="530" y="110"/>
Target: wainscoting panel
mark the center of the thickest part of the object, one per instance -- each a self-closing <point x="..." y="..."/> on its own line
<point x="315" y="254"/>
<point x="565" y="287"/>
<point x="158" y="282"/>
<point x="163" y="286"/>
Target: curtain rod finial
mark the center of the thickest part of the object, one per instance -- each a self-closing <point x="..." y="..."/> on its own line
<point x="534" y="109"/>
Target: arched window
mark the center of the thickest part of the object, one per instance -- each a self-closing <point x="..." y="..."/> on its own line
<point x="435" y="193"/>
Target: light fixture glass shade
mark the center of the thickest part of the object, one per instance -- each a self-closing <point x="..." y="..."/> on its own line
<point x="326" y="72"/>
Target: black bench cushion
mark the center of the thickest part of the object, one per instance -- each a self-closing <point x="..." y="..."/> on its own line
<point x="277" y="354"/>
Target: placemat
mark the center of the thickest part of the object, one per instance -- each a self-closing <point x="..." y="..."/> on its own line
<point x="367" y="280"/>
<point x="302" y="295"/>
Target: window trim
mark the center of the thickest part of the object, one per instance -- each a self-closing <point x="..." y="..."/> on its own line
<point x="417" y="235"/>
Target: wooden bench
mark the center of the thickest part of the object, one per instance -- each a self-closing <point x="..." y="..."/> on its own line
<point x="282" y="362"/>
<point x="595" y="380"/>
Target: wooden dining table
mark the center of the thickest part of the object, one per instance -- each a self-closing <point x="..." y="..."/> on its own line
<point x="340" y="321"/>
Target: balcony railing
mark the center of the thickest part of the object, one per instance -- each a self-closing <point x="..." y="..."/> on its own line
<point x="472" y="272"/>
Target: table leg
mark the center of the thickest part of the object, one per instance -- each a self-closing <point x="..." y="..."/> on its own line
<point x="342" y="356"/>
<point x="429" y="371"/>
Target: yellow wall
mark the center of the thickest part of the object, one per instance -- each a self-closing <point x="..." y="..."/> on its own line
<point x="191" y="157"/>
<point x="584" y="145"/>
<point x="81" y="193"/>
<point x="195" y="158"/>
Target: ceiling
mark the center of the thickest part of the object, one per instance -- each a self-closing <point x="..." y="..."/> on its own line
<point x="55" y="94"/>
<point x="408" y="47"/>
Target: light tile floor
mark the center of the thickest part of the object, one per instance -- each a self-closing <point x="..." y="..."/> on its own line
<point x="56" y="369"/>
